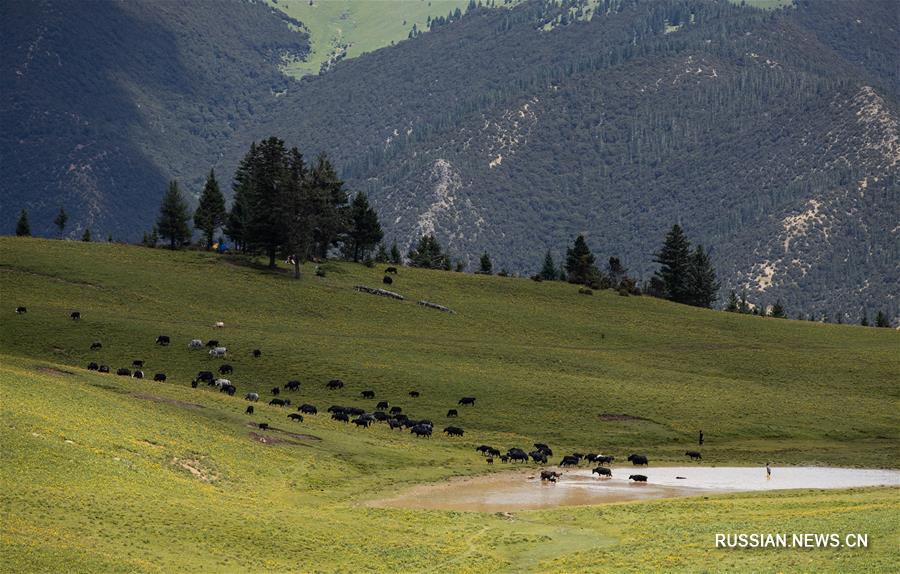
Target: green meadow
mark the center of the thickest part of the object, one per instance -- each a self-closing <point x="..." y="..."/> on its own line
<point x="354" y="27"/>
<point x="110" y="474"/>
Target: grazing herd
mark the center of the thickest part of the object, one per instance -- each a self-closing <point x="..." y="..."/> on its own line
<point x="392" y="416"/>
<point x="542" y="451"/>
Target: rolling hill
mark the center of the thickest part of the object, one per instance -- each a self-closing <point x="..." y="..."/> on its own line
<point x="107" y="474"/>
<point x="770" y="135"/>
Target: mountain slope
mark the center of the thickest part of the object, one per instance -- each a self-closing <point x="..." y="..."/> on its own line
<point x="505" y="138"/>
<point x="772" y="136"/>
<point x="102" y="102"/>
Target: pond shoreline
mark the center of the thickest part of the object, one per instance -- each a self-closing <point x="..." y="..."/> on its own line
<point x="523" y="489"/>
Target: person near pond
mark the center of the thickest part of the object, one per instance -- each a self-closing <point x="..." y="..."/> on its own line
<point x="701" y="438"/>
<point x="768" y="470"/>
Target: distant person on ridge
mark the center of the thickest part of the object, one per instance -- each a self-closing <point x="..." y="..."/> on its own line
<point x="768" y="471"/>
<point x="701" y="438"/>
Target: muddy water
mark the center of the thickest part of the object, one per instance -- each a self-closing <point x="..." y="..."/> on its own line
<point x="524" y="491"/>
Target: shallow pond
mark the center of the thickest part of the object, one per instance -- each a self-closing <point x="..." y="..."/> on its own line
<point x="524" y="491"/>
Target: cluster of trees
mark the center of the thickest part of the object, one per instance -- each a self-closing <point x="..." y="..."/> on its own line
<point x="741" y="305"/>
<point x="580" y="268"/>
<point x="881" y="319"/>
<point x="281" y="206"/>
<point x="428" y="254"/>
<point x="685" y="275"/>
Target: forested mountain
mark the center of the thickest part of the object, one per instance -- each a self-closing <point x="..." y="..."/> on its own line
<point x="101" y="102"/>
<point x="771" y="136"/>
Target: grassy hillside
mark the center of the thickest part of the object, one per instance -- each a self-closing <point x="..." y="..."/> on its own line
<point x="104" y="473"/>
<point x="347" y="28"/>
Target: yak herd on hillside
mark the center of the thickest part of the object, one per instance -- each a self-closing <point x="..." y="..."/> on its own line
<point x="393" y="416"/>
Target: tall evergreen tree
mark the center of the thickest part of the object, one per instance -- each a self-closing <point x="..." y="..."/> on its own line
<point x="61" y="218"/>
<point x="732" y="305"/>
<point x="210" y="214"/>
<point x="617" y="272"/>
<point x="173" y="217"/>
<point x="485" y="265"/>
<point x="700" y="282"/>
<point x="365" y="230"/>
<point x="744" y="306"/>
<point x="265" y="223"/>
<point x="548" y="271"/>
<point x="675" y="260"/>
<point x="580" y="262"/>
<point x="881" y="320"/>
<point x="381" y="256"/>
<point x="86" y="236"/>
<point x="396" y="259"/>
<point x="333" y="219"/>
<point x="298" y="210"/>
<point x="236" y="220"/>
<point x="865" y="318"/>
<point x="23" y="229"/>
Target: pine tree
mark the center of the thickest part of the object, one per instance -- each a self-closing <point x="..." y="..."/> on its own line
<point x="881" y="320"/>
<point x="381" y="256"/>
<point x="60" y="221"/>
<point x="395" y="254"/>
<point x="173" y="217"/>
<point x="210" y="214"/>
<point x="562" y="272"/>
<point x="674" y="259"/>
<point x="732" y="305"/>
<point x="23" y="229"/>
<point x="365" y="230"/>
<point x="865" y="319"/>
<point x="778" y="310"/>
<point x="617" y="272"/>
<point x="579" y="262"/>
<point x="428" y="254"/>
<point x="700" y="283"/>
<point x="485" y="265"/>
<point x="298" y="210"/>
<point x="86" y="236"/>
<point x="327" y="189"/>
<point x="153" y="239"/>
<point x="236" y="220"/>
<point x="744" y="306"/>
<point x="548" y="271"/>
<point x="265" y="222"/>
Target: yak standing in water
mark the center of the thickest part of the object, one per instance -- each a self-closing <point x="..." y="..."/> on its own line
<point x="550" y="475"/>
<point x="602" y="471"/>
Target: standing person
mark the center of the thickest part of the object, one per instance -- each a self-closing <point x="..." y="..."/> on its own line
<point x="768" y="471"/>
<point x="701" y="438"/>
